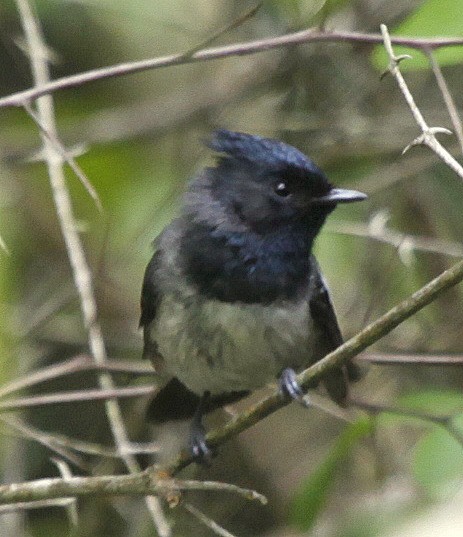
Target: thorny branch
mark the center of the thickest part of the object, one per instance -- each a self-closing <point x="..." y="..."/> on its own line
<point x="428" y="134"/>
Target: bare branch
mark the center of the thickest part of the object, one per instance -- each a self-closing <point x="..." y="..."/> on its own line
<point x="80" y="269"/>
<point x="401" y="241"/>
<point x="312" y="35"/>
<point x="26" y="431"/>
<point x="427" y="136"/>
<point x="207" y="521"/>
<point x="66" y="155"/>
<point x="71" y="508"/>
<point x="407" y="359"/>
<point x="64" y="445"/>
<point x="74" y="397"/>
<point x="146" y="483"/>
<point x="445" y="421"/>
<point x="78" y="364"/>
<point x="39" y="504"/>
<point x="448" y="99"/>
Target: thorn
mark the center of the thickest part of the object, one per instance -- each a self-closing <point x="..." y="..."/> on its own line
<point x="439" y="130"/>
<point x="419" y="140"/>
<point x="398" y="59"/>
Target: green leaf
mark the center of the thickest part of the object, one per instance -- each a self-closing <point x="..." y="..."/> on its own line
<point x="313" y="495"/>
<point x="437" y="460"/>
<point x="435" y="18"/>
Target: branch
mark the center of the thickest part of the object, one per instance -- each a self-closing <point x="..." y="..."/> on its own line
<point x="446" y="421"/>
<point x="81" y="272"/>
<point x="373" y="332"/>
<point x="312" y="35"/>
<point x="208" y="522"/>
<point x="66" y="446"/>
<point x="145" y="483"/>
<point x="427" y="136"/>
<point x="405" y="243"/>
<point x="78" y="364"/>
<point x="73" y="397"/>
<point x="408" y="359"/>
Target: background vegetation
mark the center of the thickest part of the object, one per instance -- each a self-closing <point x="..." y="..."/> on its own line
<point x="138" y="139"/>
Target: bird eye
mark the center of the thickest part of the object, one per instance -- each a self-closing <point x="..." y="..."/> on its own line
<point x="281" y="189"/>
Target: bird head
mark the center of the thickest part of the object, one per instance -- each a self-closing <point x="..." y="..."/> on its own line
<point x="267" y="183"/>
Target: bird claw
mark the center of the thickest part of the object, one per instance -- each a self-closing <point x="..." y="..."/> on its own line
<point x="198" y="446"/>
<point x="289" y="387"/>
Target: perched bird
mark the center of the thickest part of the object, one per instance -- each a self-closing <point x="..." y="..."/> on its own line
<point x="233" y="299"/>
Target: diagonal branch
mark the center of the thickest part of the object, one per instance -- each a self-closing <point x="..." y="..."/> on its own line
<point x="428" y="134"/>
<point x="369" y="335"/>
<point x="448" y="99"/>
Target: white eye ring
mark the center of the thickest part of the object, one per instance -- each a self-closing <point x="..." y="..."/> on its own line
<point x="281" y="189"/>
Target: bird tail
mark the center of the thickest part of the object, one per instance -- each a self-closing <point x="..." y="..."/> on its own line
<point x="337" y="382"/>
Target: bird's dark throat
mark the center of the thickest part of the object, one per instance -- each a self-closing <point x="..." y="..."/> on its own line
<point x="248" y="267"/>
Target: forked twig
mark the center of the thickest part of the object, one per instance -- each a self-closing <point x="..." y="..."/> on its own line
<point x="428" y="134"/>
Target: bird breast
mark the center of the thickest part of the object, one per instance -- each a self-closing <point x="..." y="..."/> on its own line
<point x="215" y="346"/>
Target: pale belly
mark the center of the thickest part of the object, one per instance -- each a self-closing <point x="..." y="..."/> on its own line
<point x="220" y="347"/>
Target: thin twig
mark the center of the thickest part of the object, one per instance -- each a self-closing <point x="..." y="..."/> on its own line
<point x="446" y="421"/>
<point x="402" y="241"/>
<point x="234" y="24"/>
<point x="71" y="508"/>
<point x="427" y="136"/>
<point x="408" y="359"/>
<point x="65" y="154"/>
<point x="145" y="482"/>
<point x="59" y="398"/>
<point x="207" y="521"/>
<point x="448" y="99"/>
<point x="39" y="504"/>
<point x="26" y="431"/>
<point x="80" y="268"/>
<point x="78" y="364"/>
<point x="59" y="442"/>
<point x="312" y="35"/>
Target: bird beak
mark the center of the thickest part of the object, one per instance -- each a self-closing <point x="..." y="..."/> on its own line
<point x="340" y="195"/>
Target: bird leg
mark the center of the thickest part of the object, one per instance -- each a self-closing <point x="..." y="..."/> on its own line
<point x="197" y="440"/>
<point x="289" y="387"/>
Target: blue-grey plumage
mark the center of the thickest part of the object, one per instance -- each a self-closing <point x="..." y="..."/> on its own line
<point x="233" y="295"/>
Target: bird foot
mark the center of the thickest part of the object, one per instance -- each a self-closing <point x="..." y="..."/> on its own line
<point x="197" y="444"/>
<point x="289" y="387"/>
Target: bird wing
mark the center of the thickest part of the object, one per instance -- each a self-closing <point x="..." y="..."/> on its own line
<point x="150" y="299"/>
<point x="330" y="337"/>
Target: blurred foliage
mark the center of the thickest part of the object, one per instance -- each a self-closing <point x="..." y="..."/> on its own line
<point x="142" y="136"/>
<point x="313" y="496"/>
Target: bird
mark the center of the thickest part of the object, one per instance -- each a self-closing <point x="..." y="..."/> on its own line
<point x="233" y="298"/>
